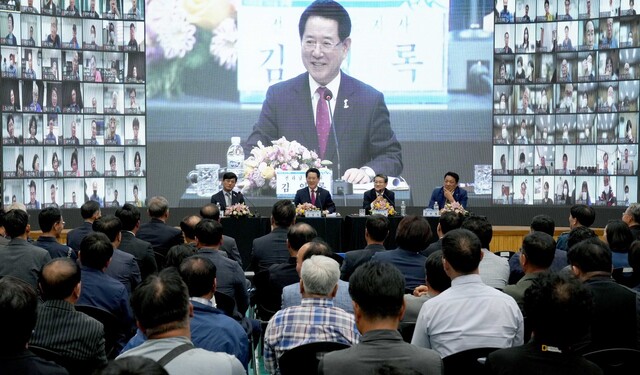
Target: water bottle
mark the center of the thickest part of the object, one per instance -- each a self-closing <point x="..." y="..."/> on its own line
<point x="235" y="158"/>
<point x="220" y="210"/>
<point x="436" y="207"/>
<point x="403" y="209"/>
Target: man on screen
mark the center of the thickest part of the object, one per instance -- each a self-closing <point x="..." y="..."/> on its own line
<point x="226" y="197"/>
<point x="314" y="194"/>
<point x="297" y="108"/>
<point x="450" y="192"/>
<point x="73" y="11"/>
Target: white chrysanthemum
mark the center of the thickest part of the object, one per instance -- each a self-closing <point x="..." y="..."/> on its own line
<point x="168" y="19"/>
<point x="223" y="44"/>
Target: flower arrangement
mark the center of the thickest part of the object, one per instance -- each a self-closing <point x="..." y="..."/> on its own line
<point x="454" y="207"/>
<point x="237" y="210"/>
<point x="304" y="207"/>
<point x="260" y="168"/>
<point x="382" y="205"/>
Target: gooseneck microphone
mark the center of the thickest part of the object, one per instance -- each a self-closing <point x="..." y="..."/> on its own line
<point x="328" y="95"/>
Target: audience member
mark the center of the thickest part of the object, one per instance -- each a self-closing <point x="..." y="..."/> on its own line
<point x="617" y="235"/>
<point x="90" y="212"/>
<point x="631" y="216"/>
<point x="485" y="317"/>
<point x="19" y="258"/>
<point x="578" y="235"/>
<point x="412" y="236"/>
<point x="558" y="308"/>
<point x="272" y="248"/>
<point x="230" y="277"/>
<point x="157" y="232"/>
<point x="376" y="231"/>
<point x="188" y="227"/>
<point x="3" y="233"/>
<point x="377" y="290"/>
<point x="18" y="313"/>
<point x="494" y="269"/>
<point x="536" y="256"/>
<point x="616" y="317"/>
<point x="59" y="327"/>
<point x="229" y="245"/>
<point x="316" y="319"/>
<point x="51" y="225"/>
<point x="579" y="216"/>
<point x="447" y="221"/>
<point x="291" y="294"/>
<point x="162" y="309"/>
<point x="437" y="282"/>
<point x="178" y="253"/>
<point x="123" y="266"/>
<point x="634" y="262"/>
<point x="129" y="216"/>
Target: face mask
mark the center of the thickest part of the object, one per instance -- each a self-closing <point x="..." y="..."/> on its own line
<point x="543" y="101"/>
<point x="503" y="105"/>
<point x="523" y="165"/>
<point x="583" y="103"/>
<point x="589" y="67"/>
<point x="505" y="134"/>
<point x="564" y="191"/>
<point x="584" y="195"/>
<point x="523" y="132"/>
<point x="586" y="132"/>
<point x="544" y="136"/>
<point x="609" y="101"/>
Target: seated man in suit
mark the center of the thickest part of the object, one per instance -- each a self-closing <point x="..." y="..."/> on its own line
<point x="51" y="225"/>
<point x="375" y="232"/>
<point x="60" y="327"/>
<point x="314" y="194"/>
<point x="379" y="191"/>
<point x="129" y="215"/>
<point x="157" y="232"/>
<point x="447" y="221"/>
<point x="90" y="211"/>
<point x="450" y="192"/>
<point x="229" y="245"/>
<point x="494" y="269"/>
<point x="377" y="290"/>
<point x="227" y="197"/>
<point x="272" y="247"/>
<point x="123" y="266"/>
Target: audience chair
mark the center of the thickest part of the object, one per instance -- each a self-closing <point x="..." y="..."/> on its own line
<point x="226" y="304"/>
<point x="304" y="359"/>
<point x="625" y="276"/>
<point x="113" y="330"/>
<point x="467" y="362"/>
<point x="616" y="361"/>
<point x="406" y="330"/>
<point x="73" y="366"/>
<point x="506" y="253"/>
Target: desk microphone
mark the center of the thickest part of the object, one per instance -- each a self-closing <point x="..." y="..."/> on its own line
<point x="253" y="206"/>
<point x="340" y="186"/>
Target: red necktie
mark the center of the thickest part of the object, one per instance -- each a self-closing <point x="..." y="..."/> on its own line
<point x="313" y="197"/>
<point x="323" y="122"/>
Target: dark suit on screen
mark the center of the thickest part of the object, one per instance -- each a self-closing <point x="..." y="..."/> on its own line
<point x="142" y="251"/>
<point x="236" y="197"/>
<point x="160" y="235"/>
<point x="371" y="195"/>
<point x="355" y="258"/>
<point x="360" y="117"/>
<point x="323" y="198"/>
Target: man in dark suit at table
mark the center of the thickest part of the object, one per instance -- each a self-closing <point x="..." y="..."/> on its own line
<point x="272" y="248"/>
<point x="298" y="109"/>
<point x="90" y="212"/>
<point x="227" y="197"/>
<point x="157" y="232"/>
<point x="314" y="194"/>
<point x="375" y="232"/>
<point x="129" y="215"/>
<point x="379" y="191"/>
<point x="450" y="192"/>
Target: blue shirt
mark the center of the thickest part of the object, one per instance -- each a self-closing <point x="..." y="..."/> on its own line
<point x="55" y="249"/>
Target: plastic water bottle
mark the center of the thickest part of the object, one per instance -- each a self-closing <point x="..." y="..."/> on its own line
<point x="403" y="209"/>
<point x="436" y="207"/>
<point x="220" y="210"/>
<point x="235" y="158"/>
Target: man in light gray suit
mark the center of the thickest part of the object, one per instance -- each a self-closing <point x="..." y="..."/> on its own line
<point x="377" y="290"/>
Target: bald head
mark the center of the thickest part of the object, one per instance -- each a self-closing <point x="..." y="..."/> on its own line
<point x="188" y="226"/>
<point x="60" y="280"/>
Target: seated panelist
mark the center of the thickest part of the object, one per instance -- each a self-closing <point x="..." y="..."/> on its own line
<point x="450" y="192"/>
<point x="227" y="197"/>
<point x="314" y="194"/>
<point x="378" y="192"/>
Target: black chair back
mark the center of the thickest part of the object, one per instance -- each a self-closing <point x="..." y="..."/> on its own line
<point x="113" y="329"/>
<point x="466" y="362"/>
<point x="73" y="366"/>
<point x="304" y="359"/>
<point x="626" y="276"/>
<point x="406" y="330"/>
<point x="226" y="304"/>
<point x="616" y="361"/>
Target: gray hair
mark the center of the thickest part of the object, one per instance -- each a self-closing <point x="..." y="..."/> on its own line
<point x="634" y="211"/>
<point x="320" y="275"/>
<point x="158" y="206"/>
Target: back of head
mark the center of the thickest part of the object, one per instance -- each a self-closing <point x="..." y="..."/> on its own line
<point x="449" y="221"/>
<point x="590" y="255"/>
<point x="618" y="236"/>
<point x="199" y="274"/>
<point x="95" y="250"/>
<point x="481" y="227"/>
<point x="59" y="278"/>
<point x="177" y="254"/>
<point x="585" y="215"/>
<point x="209" y="232"/>
<point x="158" y="206"/>
<point x="539" y="249"/>
<point x="413" y="233"/>
<point x="129" y="215"/>
<point x="134" y="365"/>
<point x="210" y="211"/>
<point x="318" y="247"/>
<point x="15" y="223"/>
<point x="188" y="225"/>
<point x="109" y="225"/>
<point x="327" y="9"/>
<point x="161" y="302"/>
<point x="462" y="250"/>
<point x="18" y="312"/>
<point x="377" y="227"/>
<point x="634" y="211"/>
<point x="558" y="309"/>
<point x="579" y="234"/>
<point x="543" y="223"/>
<point x="88" y="209"/>
<point x="378" y="288"/>
<point x="437" y="278"/>
<point x="299" y="234"/>
<point x="320" y="275"/>
<point x="283" y="213"/>
<point x="48" y="217"/>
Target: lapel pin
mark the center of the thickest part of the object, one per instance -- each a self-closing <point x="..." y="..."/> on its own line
<point x="346" y="103"/>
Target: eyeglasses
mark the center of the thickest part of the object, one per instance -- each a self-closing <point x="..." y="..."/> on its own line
<point x="310" y="45"/>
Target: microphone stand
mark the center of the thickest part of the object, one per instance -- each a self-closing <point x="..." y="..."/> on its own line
<point x="339" y="185"/>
